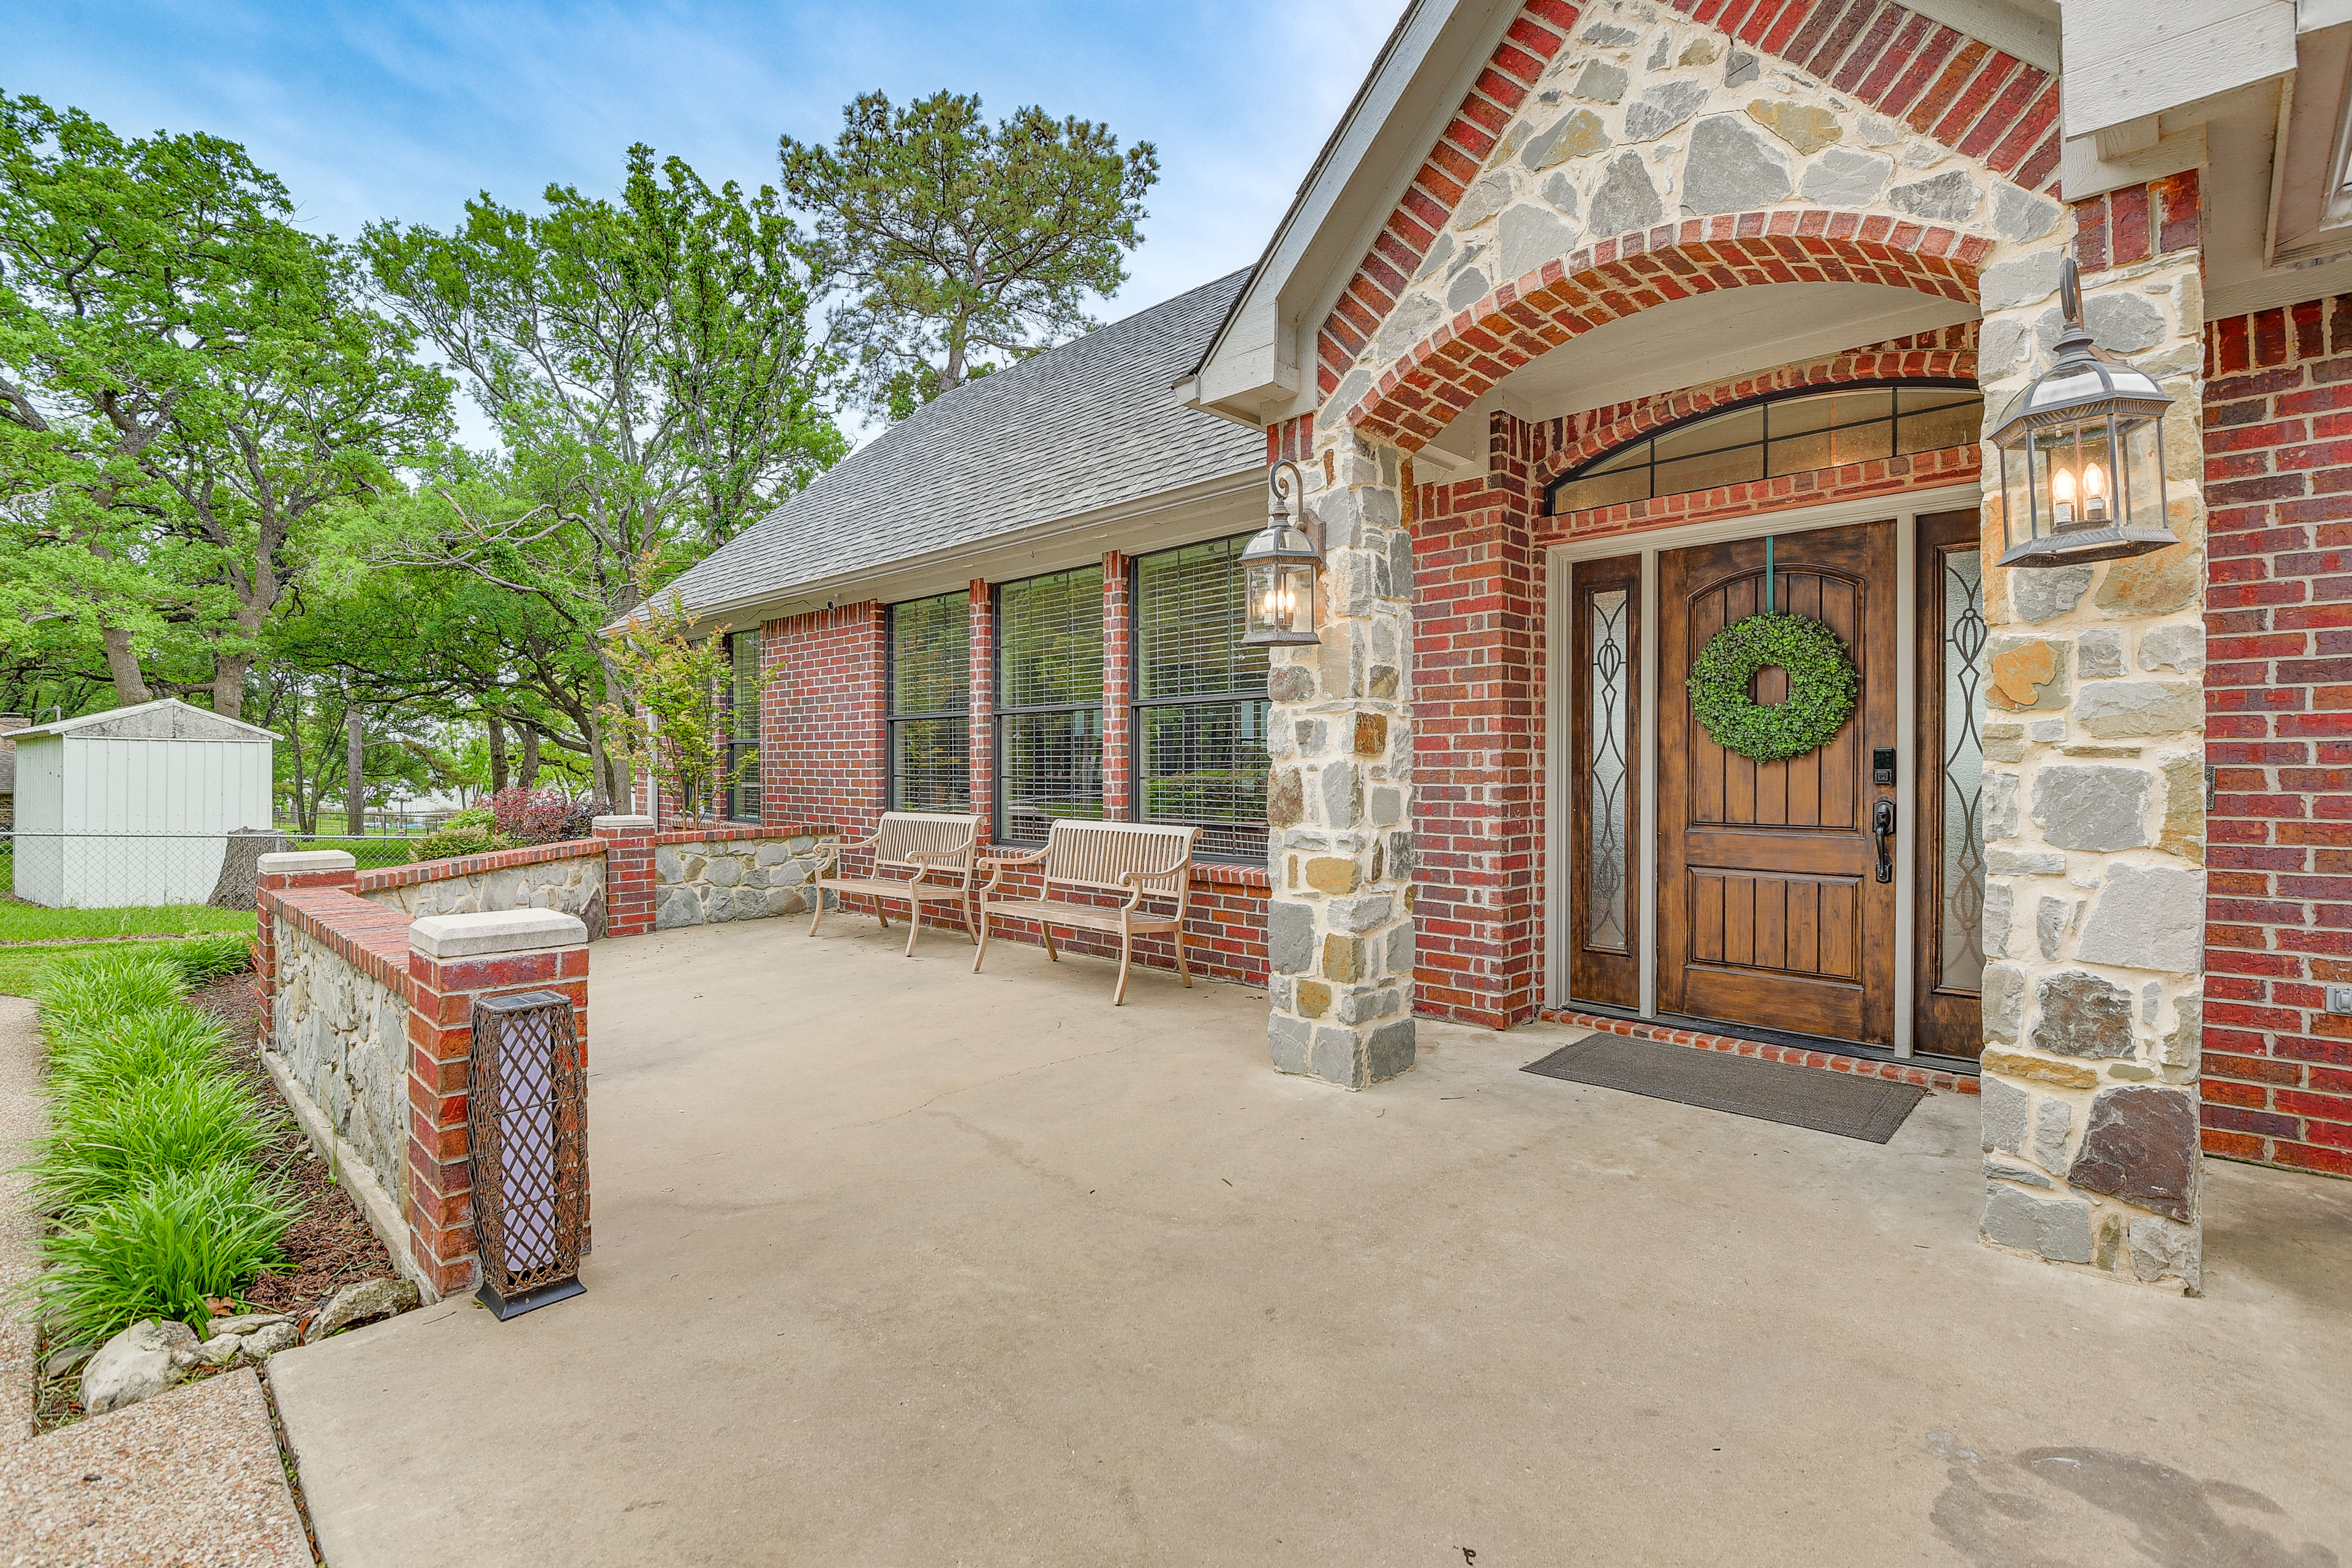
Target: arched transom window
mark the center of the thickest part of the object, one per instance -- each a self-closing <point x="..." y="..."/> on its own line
<point x="1785" y="434"/>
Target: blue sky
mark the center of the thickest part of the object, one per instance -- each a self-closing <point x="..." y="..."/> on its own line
<point x="399" y="110"/>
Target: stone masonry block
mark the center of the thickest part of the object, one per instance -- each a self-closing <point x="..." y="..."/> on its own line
<point x="2147" y="917"/>
<point x="2087" y="807"/>
<point x="2058" y="1230"/>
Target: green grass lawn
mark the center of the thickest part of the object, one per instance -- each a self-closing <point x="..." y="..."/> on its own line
<point x="21" y="967"/>
<point x="31" y="922"/>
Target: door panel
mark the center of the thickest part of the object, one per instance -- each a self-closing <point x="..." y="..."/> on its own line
<point x="1771" y="912"/>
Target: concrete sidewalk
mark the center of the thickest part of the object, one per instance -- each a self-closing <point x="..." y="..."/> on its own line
<point x="900" y="1265"/>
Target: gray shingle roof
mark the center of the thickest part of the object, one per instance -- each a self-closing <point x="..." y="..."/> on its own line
<point x="1087" y="425"/>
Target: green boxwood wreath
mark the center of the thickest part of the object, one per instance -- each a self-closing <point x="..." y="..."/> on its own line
<point x="1822" y="686"/>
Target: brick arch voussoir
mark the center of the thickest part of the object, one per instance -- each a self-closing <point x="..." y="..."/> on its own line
<point x="1421" y="391"/>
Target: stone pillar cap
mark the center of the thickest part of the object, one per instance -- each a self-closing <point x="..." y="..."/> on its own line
<point x="494" y="932"/>
<point x="620" y="823"/>
<point x="284" y="861"/>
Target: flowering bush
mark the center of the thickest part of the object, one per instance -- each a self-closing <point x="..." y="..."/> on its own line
<point x="543" y="815"/>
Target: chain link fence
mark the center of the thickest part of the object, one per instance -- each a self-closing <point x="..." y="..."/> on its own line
<point x="126" y="870"/>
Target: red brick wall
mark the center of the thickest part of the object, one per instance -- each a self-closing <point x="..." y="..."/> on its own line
<point x="1118" y="713"/>
<point x="1478" y="694"/>
<point x="2278" y="734"/>
<point x="821" y="743"/>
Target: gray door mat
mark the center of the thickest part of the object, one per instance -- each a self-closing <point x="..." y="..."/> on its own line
<point x="1851" y="1106"/>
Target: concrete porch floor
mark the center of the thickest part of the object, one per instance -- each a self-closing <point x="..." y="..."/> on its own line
<point x="900" y="1265"/>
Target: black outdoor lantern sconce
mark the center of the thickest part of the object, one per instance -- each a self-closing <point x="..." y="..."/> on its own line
<point x="1279" y="567"/>
<point x="2081" y="454"/>
<point x="526" y="1111"/>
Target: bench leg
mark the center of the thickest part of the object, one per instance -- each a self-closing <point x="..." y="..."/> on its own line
<point x="914" y="921"/>
<point x="981" y="957"/>
<point x="816" y="892"/>
<point x="880" y="913"/>
<point x="1052" y="954"/>
<point x="1126" y="957"/>
<point x="1183" y="968"/>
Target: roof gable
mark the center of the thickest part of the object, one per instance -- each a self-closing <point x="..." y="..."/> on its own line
<point x="166" y="719"/>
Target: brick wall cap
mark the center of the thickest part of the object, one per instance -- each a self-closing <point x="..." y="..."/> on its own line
<point x="495" y="930"/>
<point x="285" y="862"/>
<point x="621" y="825"/>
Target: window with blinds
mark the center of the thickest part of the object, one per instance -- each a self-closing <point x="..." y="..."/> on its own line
<point x="931" y="703"/>
<point x="1200" y="704"/>
<point x="1049" y="702"/>
<point x="742" y="791"/>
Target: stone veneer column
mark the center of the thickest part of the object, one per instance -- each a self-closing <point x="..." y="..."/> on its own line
<point x="628" y="873"/>
<point x="1339" y="930"/>
<point x="2094" y="802"/>
<point x="276" y="873"/>
<point x="454" y="960"/>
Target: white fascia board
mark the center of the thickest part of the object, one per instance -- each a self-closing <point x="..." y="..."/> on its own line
<point x="2028" y="29"/>
<point x="1264" y="353"/>
<point x="2126" y="59"/>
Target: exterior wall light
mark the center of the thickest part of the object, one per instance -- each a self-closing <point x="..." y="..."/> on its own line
<point x="2081" y="454"/>
<point x="1279" y="567"/>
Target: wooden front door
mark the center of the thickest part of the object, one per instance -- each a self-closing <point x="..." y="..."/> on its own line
<point x="1772" y="912"/>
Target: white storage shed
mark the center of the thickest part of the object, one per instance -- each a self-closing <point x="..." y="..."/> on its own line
<point x="133" y="805"/>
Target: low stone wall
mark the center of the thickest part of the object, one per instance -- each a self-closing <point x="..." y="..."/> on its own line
<point x="701" y="878"/>
<point x="567" y="877"/>
<point x="343" y="1031"/>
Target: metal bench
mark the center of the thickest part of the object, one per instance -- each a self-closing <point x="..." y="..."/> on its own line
<point x="918" y="844"/>
<point x="1119" y="857"/>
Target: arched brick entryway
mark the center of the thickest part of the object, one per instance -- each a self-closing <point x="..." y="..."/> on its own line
<point x="1417" y="395"/>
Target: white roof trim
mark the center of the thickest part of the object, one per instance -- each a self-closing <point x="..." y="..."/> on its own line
<point x="116" y="715"/>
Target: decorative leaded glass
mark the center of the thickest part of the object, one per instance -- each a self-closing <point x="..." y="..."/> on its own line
<point x="1201" y="699"/>
<point x="1963" y="847"/>
<point x="930" y="700"/>
<point x="1049" y="697"/>
<point x="1604" y="856"/>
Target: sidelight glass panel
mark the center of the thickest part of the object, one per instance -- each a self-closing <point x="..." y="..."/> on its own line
<point x="1606" y="924"/>
<point x="1963" y="882"/>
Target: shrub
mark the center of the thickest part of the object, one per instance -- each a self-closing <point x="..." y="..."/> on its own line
<point x="95" y="989"/>
<point x="157" y="1251"/>
<point x="456" y="839"/>
<point x="543" y="816"/>
<point x="204" y="959"/>
<point x="114" y="1136"/>
<point x="114" y="1056"/>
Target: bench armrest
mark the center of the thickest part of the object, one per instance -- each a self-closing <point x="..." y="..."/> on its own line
<point x="996" y="864"/>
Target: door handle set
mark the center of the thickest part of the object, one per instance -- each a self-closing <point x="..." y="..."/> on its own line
<point x="1882" y="828"/>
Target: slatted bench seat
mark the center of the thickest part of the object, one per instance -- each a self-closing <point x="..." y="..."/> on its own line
<point x="911" y="848"/>
<point x="1126" y="858"/>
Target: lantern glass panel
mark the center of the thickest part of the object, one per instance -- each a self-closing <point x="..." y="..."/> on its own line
<point x="2143" y="467"/>
<point x="2016" y="497"/>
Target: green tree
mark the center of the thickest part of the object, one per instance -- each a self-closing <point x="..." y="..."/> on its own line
<point x="649" y="368"/>
<point x="955" y="240"/>
<point x="186" y="383"/>
<point x="677" y="728"/>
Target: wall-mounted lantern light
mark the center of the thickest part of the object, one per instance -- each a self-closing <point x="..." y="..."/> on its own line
<point x="2081" y="454"/>
<point x="1280" y="566"/>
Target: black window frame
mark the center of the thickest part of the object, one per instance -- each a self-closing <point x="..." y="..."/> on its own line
<point x="1584" y="470"/>
<point x="1000" y="732"/>
<point x="738" y="791"/>
<point x="1138" y="755"/>
<point x="892" y="719"/>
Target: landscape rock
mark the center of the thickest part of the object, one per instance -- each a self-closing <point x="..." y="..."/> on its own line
<point x="220" y="1350"/>
<point x="244" y="1323"/>
<point x="2087" y="806"/>
<point x="64" y="1360"/>
<point x="142" y="1361"/>
<point x="2147" y="917"/>
<point x="265" y="1343"/>
<point x="360" y="1303"/>
<point x="2140" y="1145"/>
<point x="2082" y="1015"/>
<point x="1732" y="168"/>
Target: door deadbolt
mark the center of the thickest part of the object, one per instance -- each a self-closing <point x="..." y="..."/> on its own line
<point x="1881" y="765"/>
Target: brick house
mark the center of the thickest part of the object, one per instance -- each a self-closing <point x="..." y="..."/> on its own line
<point x="1594" y="328"/>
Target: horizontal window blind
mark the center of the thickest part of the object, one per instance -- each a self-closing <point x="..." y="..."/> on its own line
<point x="1201" y="705"/>
<point x="743" y="789"/>
<point x="930" y="703"/>
<point x="1049" y="699"/>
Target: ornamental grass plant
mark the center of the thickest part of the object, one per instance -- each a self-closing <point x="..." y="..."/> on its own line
<point x="152" y="1172"/>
